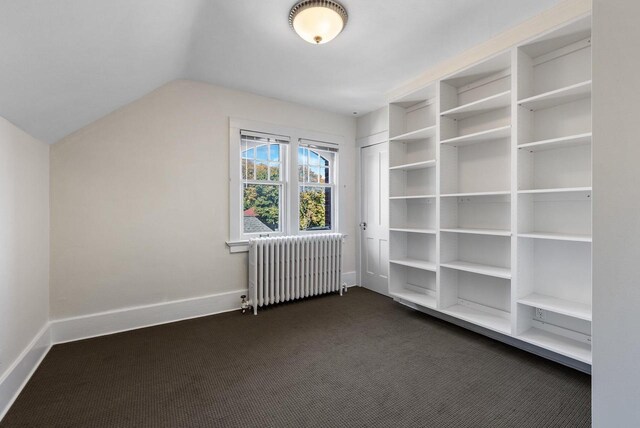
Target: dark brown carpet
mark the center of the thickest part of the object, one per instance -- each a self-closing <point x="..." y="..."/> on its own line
<point x="358" y="360"/>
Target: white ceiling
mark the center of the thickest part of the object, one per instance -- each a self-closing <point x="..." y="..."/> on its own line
<point x="66" y="63"/>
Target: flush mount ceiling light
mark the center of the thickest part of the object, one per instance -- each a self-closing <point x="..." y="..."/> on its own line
<point x="318" y="21"/>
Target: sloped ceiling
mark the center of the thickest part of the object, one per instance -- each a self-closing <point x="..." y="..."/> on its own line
<point x="66" y="63"/>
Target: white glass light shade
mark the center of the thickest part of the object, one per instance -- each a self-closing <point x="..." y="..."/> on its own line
<point x="318" y="22"/>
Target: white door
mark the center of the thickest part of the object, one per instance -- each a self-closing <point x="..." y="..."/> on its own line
<point x="374" y="263"/>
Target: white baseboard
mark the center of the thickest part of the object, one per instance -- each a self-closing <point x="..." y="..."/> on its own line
<point x="19" y="373"/>
<point x="103" y="323"/>
<point x="350" y="278"/>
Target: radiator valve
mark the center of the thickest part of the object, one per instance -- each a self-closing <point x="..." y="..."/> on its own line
<point x="244" y="305"/>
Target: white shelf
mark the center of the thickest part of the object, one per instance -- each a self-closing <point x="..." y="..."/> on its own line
<point x="480" y="317"/>
<point x="412" y="197"/>
<point x="562" y="345"/>
<point x="414" y="165"/>
<point x="558" y="143"/>
<point x="556" y="236"/>
<point x="415" y="263"/>
<point x="557" y="190"/>
<point x="498" y="272"/>
<point x="479" y="137"/>
<point x="420" y="134"/>
<point x="559" y="96"/>
<point x="412" y="230"/>
<point x="421" y="299"/>
<point x="560" y="306"/>
<point x="494" y="102"/>
<point x="457" y="195"/>
<point x="494" y="232"/>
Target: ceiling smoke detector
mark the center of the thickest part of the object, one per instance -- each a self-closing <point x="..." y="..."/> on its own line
<point x="318" y="21"/>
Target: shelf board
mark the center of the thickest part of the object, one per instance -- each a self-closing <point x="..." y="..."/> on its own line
<point x="414" y="165"/>
<point x="419" y="134"/>
<point x="560" y="306"/>
<point x="456" y="195"/>
<point x="412" y="197"/>
<point x="415" y="263"/>
<point x="558" y="143"/>
<point x="421" y="299"/>
<point x="556" y="236"/>
<point x="498" y="272"/>
<point x="413" y="230"/>
<point x="479" y="317"/>
<point x="559" y="96"/>
<point x="494" y="102"/>
<point x="556" y="190"/>
<point x="494" y="232"/>
<point x="562" y="345"/>
<point x="479" y="137"/>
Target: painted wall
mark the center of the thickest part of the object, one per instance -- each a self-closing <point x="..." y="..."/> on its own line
<point x="564" y="11"/>
<point x="616" y="222"/>
<point x="373" y="123"/>
<point x="140" y="211"/>
<point x="24" y="242"/>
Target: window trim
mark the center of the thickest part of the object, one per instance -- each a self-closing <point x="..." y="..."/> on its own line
<point x="290" y="223"/>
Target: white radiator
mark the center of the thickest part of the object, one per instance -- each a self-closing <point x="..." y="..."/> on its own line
<point x="293" y="267"/>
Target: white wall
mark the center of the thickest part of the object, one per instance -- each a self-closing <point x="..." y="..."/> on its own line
<point x="140" y="211"/>
<point x="616" y="214"/>
<point x="373" y="123"/>
<point x="564" y="11"/>
<point x="24" y="245"/>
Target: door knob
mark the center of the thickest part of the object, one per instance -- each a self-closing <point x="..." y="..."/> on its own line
<point x="363" y="226"/>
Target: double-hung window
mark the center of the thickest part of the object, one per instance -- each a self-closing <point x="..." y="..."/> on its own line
<point x="283" y="181"/>
<point x="316" y="185"/>
<point x="264" y="175"/>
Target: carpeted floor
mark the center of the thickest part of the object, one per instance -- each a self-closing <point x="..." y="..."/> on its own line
<point x="357" y="360"/>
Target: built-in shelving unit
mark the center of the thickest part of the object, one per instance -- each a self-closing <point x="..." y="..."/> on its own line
<point x="490" y="184"/>
<point x="413" y="198"/>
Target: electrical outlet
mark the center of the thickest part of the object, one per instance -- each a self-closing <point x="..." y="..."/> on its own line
<point x="539" y="314"/>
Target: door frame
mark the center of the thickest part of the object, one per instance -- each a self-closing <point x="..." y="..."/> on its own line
<point x="361" y="143"/>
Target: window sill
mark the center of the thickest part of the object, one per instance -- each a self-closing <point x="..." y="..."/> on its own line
<point x="238" y="246"/>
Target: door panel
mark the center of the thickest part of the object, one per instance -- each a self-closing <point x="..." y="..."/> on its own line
<point x="375" y="214"/>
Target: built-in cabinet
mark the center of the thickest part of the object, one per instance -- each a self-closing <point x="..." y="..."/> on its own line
<point x="490" y="193"/>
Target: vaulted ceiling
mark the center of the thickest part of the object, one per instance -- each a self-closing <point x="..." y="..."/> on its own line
<point x="64" y="64"/>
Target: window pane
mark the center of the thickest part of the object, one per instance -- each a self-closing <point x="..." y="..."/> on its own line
<point x="324" y="161"/>
<point x="314" y="174"/>
<point x="314" y="159"/>
<point x="274" y="171"/>
<point x="249" y="153"/>
<point x="324" y="176"/>
<point x="315" y="208"/>
<point x="302" y="156"/>
<point x="261" y="152"/>
<point x="248" y="169"/>
<point x="261" y="205"/>
<point x="274" y="152"/>
<point x="262" y="172"/>
<point x="300" y="173"/>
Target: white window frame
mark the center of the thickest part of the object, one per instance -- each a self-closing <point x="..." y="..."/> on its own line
<point x="283" y="183"/>
<point x="333" y="169"/>
<point x="238" y="242"/>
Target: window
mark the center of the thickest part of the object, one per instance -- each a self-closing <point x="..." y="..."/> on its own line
<point x="282" y="181"/>
<point x="316" y="169"/>
<point x="263" y="170"/>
